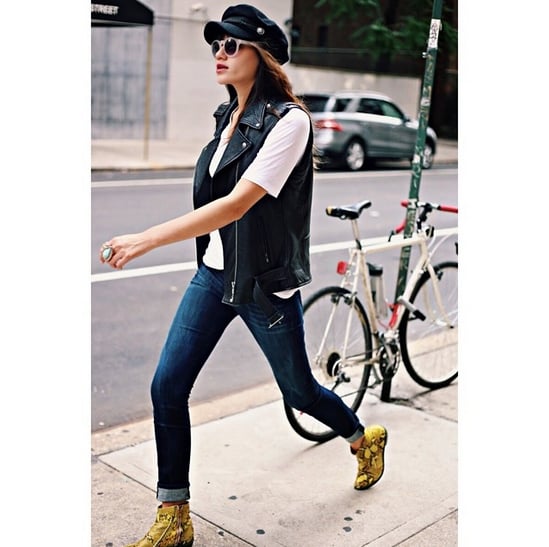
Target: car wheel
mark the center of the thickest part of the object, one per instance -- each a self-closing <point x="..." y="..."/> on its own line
<point x="428" y="156"/>
<point x="355" y="155"/>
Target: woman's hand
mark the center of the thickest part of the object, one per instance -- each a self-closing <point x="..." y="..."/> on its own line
<point x="119" y="250"/>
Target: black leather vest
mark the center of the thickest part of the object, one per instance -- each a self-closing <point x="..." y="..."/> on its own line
<point x="267" y="250"/>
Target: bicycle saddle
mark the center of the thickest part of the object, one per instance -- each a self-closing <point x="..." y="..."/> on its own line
<point x="350" y="212"/>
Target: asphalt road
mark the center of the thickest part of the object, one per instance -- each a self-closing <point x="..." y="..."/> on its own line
<point x="132" y="309"/>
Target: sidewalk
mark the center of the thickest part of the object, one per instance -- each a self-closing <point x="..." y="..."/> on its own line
<point x="131" y="154"/>
<point x="256" y="482"/>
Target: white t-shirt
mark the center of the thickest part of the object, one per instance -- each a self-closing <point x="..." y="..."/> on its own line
<point x="275" y="160"/>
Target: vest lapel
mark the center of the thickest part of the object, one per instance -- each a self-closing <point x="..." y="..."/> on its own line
<point x="238" y="144"/>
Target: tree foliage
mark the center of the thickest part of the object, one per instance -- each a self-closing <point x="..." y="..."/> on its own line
<point x="402" y="27"/>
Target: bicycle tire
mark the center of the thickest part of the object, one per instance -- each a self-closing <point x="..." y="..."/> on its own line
<point x="429" y="350"/>
<point x="317" y="309"/>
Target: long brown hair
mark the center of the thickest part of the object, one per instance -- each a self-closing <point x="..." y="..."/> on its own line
<point x="271" y="82"/>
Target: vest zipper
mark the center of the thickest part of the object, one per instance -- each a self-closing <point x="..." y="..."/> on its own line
<point x="266" y="249"/>
<point x="233" y="282"/>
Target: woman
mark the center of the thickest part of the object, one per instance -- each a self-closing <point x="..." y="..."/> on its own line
<point x="251" y="217"/>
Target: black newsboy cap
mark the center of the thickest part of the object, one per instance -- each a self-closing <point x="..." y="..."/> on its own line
<point x="248" y="23"/>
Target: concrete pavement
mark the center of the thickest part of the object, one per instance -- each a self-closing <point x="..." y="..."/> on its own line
<point x="254" y="481"/>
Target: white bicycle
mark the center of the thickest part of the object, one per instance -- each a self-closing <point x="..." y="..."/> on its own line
<point x="350" y="346"/>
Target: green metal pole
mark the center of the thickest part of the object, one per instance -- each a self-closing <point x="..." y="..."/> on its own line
<point x="417" y="162"/>
<point x="147" y="95"/>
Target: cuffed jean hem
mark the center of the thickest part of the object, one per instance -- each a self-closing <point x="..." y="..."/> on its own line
<point x="180" y="494"/>
<point x="356" y="435"/>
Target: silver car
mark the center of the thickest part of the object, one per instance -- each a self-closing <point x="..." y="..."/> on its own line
<point x="354" y="128"/>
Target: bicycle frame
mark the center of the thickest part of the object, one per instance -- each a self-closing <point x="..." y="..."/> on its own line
<point x="357" y="268"/>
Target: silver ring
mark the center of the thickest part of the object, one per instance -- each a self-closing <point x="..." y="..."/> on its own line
<point x="107" y="252"/>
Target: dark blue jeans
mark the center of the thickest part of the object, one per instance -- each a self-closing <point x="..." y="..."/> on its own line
<point x="197" y="327"/>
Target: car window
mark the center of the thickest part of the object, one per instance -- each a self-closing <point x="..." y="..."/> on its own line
<point x="391" y="110"/>
<point x="315" y="103"/>
<point x="340" y="105"/>
<point x="369" y="106"/>
<point x="323" y="103"/>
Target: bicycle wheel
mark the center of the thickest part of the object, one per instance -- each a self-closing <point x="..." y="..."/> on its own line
<point x="430" y="347"/>
<point x="326" y="314"/>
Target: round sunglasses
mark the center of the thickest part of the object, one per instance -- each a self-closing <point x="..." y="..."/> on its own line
<point x="230" y="45"/>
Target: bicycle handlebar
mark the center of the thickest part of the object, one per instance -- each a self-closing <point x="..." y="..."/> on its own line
<point x="426" y="207"/>
<point x="432" y="206"/>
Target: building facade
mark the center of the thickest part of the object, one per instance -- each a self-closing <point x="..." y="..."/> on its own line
<point x="183" y="91"/>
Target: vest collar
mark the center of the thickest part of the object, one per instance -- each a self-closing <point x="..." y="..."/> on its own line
<point x="254" y="115"/>
<point x="253" y="118"/>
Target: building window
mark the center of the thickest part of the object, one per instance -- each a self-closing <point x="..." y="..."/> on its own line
<point x="322" y="38"/>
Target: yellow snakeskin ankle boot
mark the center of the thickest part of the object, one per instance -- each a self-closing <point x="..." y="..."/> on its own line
<point x="172" y="528"/>
<point x="370" y="457"/>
